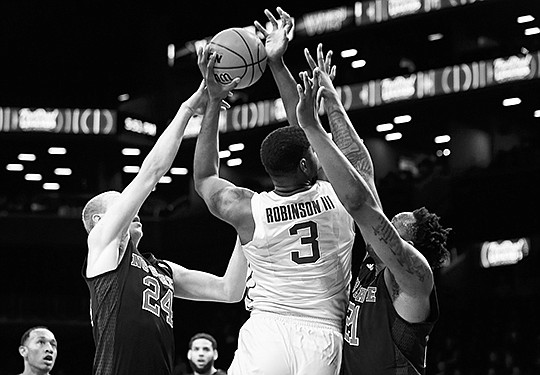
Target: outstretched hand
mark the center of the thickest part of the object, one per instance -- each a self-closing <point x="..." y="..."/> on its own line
<point x="324" y="64"/>
<point x="309" y="96"/>
<point x="214" y="89"/>
<point x="277" y="39"/>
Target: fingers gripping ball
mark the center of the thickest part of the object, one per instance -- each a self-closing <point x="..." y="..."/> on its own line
<point x="240" y="53"/>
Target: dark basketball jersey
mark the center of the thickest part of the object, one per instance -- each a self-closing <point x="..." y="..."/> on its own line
<point x="131" y="316"/>
<point x="377" y="340"/>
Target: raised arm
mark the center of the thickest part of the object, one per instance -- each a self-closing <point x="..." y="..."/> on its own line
<point x="276" y="42"/>
<point x="343" y="132"/>
<point x="409" y="268"/>
<point x="105" y="238"/>
<point x="202" y="286"/>
<point x="225" y="200"/>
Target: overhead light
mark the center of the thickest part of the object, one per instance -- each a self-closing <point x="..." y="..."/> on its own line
<point x="51" y="186"/>
<point x="525" y="19"/>
<point x="234" y="162"/>
<point x="236" y="147"/>
<point x="165" y="180"/>
<point x="537" y="113"/>
<point x="62" y="171"/>
<point x="123" y="97"/>
<point x="402" y="119"/>
<point x="384" y="127"/>
<point x="511" y="101"/>
<point x="439" y="153"/>
<point x="446" y="152"/>
<point x="532" y="31"/>
<point x="15" y="167"/>
<point x="171" y="54"/>
<point x="179" y="171"/>
<point x="358" y="64"/>
<point x="442" y="139"/>
<point x="131" y="151"/>
<point x="57" y="151"/>
<point x="435" y="36"/>
<point x="224" y="154"/>
<point x="131" y="169"/>
<point x="26" y="157"/>
<point x="348" y="53"/>
<point x="32" y="177"/>
<point x="393" y="136"/>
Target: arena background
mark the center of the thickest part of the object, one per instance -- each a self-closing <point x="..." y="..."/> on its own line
<point x="92" y="78"/>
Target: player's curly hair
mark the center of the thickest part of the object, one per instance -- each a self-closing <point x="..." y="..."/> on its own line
<point x="430" y="237"/>
<point x="282" y="150"/>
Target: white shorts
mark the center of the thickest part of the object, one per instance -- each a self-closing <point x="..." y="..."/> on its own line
<point x="274" y="344"/>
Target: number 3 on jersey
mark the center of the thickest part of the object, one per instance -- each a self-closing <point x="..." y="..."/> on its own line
<point x="151" y="298"/>
<point x="310" y="239"/>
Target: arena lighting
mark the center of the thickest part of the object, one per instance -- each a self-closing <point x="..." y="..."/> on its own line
<point x="123" y="97"/>
<point x="511" y="101"/>
<point x="358" y="64"/>
<point x="439" y="153"/>
<point x="442" y="139"/>
<point x="131" y="169"/>
<point x="51" y="186"/>
<point x="57" y="151"/>
<point x="434" y="37"/>
<point x="500" y="253"/>
<point x="532" y="31"/>
<point x="171" y="54"/>
<point x="234" y="162"/>
<point x="236" y="147"/>
<point x="131" y="151"/>
<point x="165" y="180"/>
<point x="446" y="152"/>
<point x="402" y="119"/>
<point x="62" y="171"/>
<point x="537" y="113"/>
<point x="224" y="154"/>
<point x="393" y="136"/>
<point x="384" y="127"/>
<point x="26" y="157"/>
<point x="525" y="19"/>
<point x="32" y="177"/>
<point x="14" y="167"/>
<point x="179" y="171"/>
<point x="348" y="53"/>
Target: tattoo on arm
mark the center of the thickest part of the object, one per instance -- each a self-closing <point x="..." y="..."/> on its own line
<point x="394" y="293"/>
<point x="224" y="200"/>
<point x="347" y="142"/>
<point x="385" y="232"/>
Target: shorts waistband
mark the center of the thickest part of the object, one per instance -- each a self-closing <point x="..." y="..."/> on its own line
<point x="300" y="319"/>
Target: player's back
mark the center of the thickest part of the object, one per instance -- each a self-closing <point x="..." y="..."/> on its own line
<point x="300" y="255"/>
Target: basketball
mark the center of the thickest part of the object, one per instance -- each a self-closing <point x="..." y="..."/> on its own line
<point x="240" y="53"/>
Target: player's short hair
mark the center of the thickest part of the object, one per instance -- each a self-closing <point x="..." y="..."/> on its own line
<point x="28" y="332"/>
<point x="97" y="205"/>
<point x="205" y="336"/>
<point x="282" y="150"/>
<point x="430" y="237"/>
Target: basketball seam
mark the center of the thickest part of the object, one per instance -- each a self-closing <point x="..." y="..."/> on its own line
<point x="250" y="55"/>
<point x="237" y="54"/>
<point x="241" y="66"/>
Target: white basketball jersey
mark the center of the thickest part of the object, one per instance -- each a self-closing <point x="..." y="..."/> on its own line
<point x="300" y="255"/>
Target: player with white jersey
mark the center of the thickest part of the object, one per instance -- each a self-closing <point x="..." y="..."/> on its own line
<point x="306" y="238"/>
<point x="297" y="238"/>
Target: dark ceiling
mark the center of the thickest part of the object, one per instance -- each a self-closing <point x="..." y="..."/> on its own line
<point x="84" y="54"/>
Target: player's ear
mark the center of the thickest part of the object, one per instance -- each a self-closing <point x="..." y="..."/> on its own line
<point x="215" y="354"/>
<point x="23" y="351"/>
<point x="96" y="217"/>
<point x="189" y="354"/>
